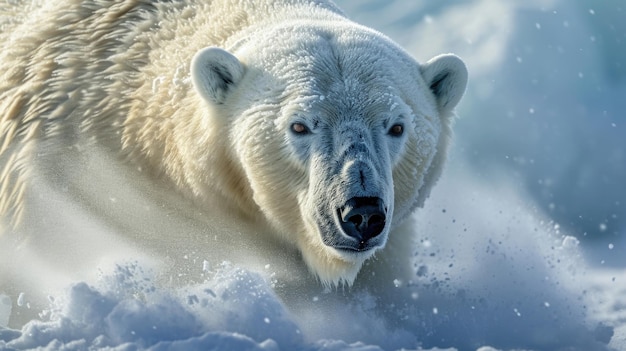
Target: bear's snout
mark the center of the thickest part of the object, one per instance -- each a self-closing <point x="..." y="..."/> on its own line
<point x="363" y="218"/>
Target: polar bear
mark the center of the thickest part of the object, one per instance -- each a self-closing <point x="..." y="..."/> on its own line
<point x="347" y="152"/>
<point x="285" y="113"/>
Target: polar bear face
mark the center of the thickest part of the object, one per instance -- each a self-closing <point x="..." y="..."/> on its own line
<point x="339" y="133"/>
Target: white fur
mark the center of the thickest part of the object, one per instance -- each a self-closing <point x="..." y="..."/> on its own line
<point x="448" y="73"/>
<point x="122" y="95"/>
<point x="214" y="71"/>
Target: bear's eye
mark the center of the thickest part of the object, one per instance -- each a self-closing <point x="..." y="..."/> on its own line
<point x="299" y="128"/>
<point x="396" y="130"/>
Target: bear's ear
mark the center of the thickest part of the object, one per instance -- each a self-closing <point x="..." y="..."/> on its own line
<point x="215" y="72"/>
<point x="446" y="76"/>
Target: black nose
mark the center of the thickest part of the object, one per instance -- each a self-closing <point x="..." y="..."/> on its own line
<point x="363" y="217"/>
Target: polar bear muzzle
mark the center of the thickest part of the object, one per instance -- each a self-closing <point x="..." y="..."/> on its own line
<point x="363" y="218"/>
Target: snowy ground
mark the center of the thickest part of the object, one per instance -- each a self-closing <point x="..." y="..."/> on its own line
<point x="521" y="244"/>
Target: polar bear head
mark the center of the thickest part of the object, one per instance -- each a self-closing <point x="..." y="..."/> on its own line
<point x="337" y="131"/>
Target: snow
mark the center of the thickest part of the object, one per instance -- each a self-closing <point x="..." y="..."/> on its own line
<point x="521" y="243"/>
<point x="492" y="272"/>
